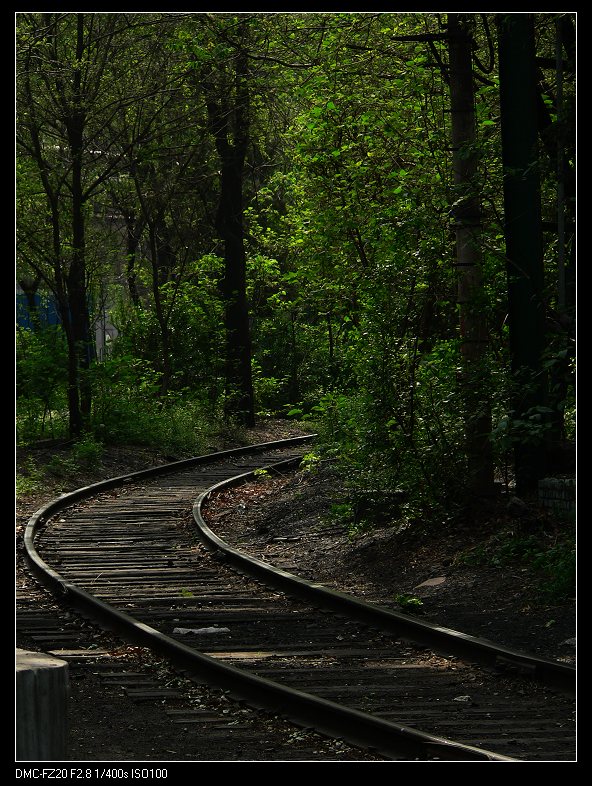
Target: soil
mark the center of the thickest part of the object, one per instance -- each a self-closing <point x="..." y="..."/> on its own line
<point x="291" y="521"/>
<point x="451" y="574"/>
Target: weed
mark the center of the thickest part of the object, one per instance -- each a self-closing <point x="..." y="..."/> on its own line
<point x="341" y="510"/>
<point x="310" y="462"/>
<point x="88" y="452"/>
<point x="29" y="480"/>
<point x="558" y="566"/>
<point x="473" y="556"/>
<point x="408" y="602"/>
<point x="62" y="466"/>
<point x="555" y="564"/>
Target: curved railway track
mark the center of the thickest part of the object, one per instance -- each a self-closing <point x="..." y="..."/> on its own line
<point x="125" y="552"/>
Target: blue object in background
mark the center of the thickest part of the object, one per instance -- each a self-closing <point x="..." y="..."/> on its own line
<point x="46" y="308"/>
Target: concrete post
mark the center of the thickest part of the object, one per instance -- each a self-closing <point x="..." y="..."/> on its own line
<point x="41" y="707"/>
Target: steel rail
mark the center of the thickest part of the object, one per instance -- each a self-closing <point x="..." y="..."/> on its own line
<point x="447" y="640"/>
<point x="46" y="575"/>
<point x="387" y="737"/>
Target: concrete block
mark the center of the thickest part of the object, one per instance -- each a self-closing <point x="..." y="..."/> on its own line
<point x="42" y="688"/>
<point x="558" y="494"/>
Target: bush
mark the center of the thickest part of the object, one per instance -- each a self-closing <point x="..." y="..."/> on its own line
<point x="29" y="478"/>
<point x="400" y="431"/>
<point x="88" y="452"/>
<point x="128" y="408"/>
<point x="558" y="566"/>
<point x="41" y="373"/>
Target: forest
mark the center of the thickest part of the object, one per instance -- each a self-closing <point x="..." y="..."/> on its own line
<point x="361" y="223"/>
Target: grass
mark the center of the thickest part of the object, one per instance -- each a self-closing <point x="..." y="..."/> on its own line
<point x="29" y="480"/>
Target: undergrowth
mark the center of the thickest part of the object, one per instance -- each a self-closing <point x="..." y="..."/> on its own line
<point x="551" y="554"/>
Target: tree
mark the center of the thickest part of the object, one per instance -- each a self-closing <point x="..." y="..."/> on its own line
<point x="72" y="90"/>
<point x="226" y="89"/>
<point x="367" y="214"/>
<point x="239" y="67"/>
<point x="303" y="164"/>
<point x="523" y="235"/>
<point x="466" y="213"/>
<point x="62" y="64"/>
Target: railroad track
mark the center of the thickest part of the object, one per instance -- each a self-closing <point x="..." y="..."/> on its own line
<point x="127" y="552"/>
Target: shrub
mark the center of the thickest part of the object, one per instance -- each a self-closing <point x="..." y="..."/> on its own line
<point x="41" y="371"/>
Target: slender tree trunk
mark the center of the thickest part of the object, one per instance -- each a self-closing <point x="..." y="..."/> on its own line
<point x="294" y="381"/>
<point x="79" y="341"/>
<point x="132" y="236"/>
<point x="164" y="250"/>
<point x="523" y="231"/>
<point x="77" y="296"/>
<point x="74" y="409"/>
<point x="467" y="224"/>
<point x="160" y="312"/>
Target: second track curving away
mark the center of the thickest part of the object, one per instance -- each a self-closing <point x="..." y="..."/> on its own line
<point x="130" y="555"/>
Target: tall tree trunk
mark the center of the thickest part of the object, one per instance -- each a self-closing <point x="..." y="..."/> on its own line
<point x="467" y="224"/>
<point x="234" y="291"/>
<point x="523" y="231"/>
<point x="229" y="122"/>
<point x="80" y="340"/>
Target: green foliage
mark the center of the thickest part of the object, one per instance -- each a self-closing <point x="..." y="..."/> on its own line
<point x="29" y="478"/>
<point x="530" y="429"/>
<point x="558" y="566"/>
<point x="310" y="461"/>
<point x="66" y="463"/>
<point x="400" y="430"/>
<point x="341" y="512"/>
<point x="408" y="603"/>
<point x="350" y="278"/>
<point x="129" y="408"/>
<point x="87" y="452"/>
<point x="374" y="284"/>
<point x="41" y="369"/>
<point x="62" y="466"/>
<point x="84" y="454"/>
<point x="269" y="391"/>
<point x="194" y="332"/>
<point x="127" y="402"/>
<point x="534" y="426"/>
